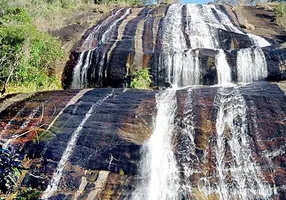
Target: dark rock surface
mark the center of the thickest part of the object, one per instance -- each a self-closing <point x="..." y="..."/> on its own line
<point x="104" y="162"/>
<point x="129" y="40"/>
<point x="109" y="142"/>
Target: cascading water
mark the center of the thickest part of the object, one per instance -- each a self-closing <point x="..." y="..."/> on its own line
<point x="187" y="35"/>
<point x="76" y="81"/>
<point x="251" y="65"/>
<point x="258" y="41"/>
<point x="240" y="177"/>
<point x="187" y="153"/>
<point x="53" y="185"/>
<point x="183" y="29"/>
<point x="223" y="69"/>
<point x="159" y="174"/>
<point x="79" y="80"/>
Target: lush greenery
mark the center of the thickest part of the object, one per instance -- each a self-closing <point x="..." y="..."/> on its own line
<point x="27" y="55"/>
<point x="141" y="79"/>
<point x="10" y="170"/>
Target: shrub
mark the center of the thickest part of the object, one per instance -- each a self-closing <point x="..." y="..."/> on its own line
<point x="141" y="79"/>
<point x="28" y="194"/>
<point x="280" y="14"/>
<point x="27" y="56"/>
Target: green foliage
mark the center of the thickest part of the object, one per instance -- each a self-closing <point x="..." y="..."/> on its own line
<point x="280" y="10"/>
<point x="121" y="172"/>
<point x="281" y="14"/>
<point x="28" y="194"/>
<point x="27" y="56"/>
<point x="141" y="79"/>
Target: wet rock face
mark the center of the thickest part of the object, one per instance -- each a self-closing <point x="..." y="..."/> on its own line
<point x="106" y="151"/>
<point x="162" y="39"/>
<point x="104" y="161"/>
<point x="198" y="141"/>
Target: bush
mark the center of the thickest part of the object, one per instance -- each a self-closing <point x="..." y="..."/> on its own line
<point x="27" y="56"/>
<point x="28" y="194"/>
<point x="141" y="79"/>
<point x="280" y="14"/>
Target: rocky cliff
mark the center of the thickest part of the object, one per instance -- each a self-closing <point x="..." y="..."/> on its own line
<point x="228" y="139"/>
<point x="105" y="158"/>
<point x="162" y="37"/>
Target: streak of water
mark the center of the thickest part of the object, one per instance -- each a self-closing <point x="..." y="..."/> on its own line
<point x="223" y="69"/>
<point x="240" y="177"/>
<point x="53" y="185"/>
<point x="251" y="65"/>
<point x="159" y="173"/>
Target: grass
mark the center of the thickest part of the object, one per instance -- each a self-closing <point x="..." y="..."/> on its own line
<point x="52" y="14"/>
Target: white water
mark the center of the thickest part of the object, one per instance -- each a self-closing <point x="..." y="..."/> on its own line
<point x="85" y="68"/>
<point x="88" y="43"/>
<point x="53" y="185"/>
<point x="258" y="41"/>
<point x="223" y="69"/>
<point x="188" y="158"/>
<point x="183" y="66"/>
<point x="79" y="80"/>
<point x="251" y="65"/>
<point x="159" y="173"/>
<point x="198" y="30"/>
<point x="106" y="35"/>
<point x="76" y="80"/>
<point x="184" y="69"/>
<point x="240" y="177"/>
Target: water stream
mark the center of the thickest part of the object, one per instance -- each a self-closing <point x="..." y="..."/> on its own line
<point x="240" y="177"/>
<point x="251" y="65"/>
<point x="237" y="175"/>
<point x="53" y="185"/>
<point x="159" y="173"/>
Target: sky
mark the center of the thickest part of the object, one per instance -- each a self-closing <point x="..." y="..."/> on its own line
<point x="195" y="1"/>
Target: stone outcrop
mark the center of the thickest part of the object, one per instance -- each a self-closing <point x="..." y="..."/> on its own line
<point x="148" y="37"/>
<point x="105" y="160"/>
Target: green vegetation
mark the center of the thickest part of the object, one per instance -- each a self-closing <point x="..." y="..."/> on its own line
<point x="280" y="14"/>
<point x="279" y="8"/>
<point x="27" y="55"/>
<point x="28" y="194"/>
<point x="141" y="79"/>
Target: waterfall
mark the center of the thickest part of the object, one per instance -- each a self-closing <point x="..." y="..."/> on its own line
<point x="187" y="37"/>
<point x="197" y="29"/>
<point x="240" y="177"/>
<point x="79" y="80"/>
<point x="184" y="69"/>
<point x="76" y="80"/>
<point x="159" y="174"/>
<point x="258" y="41"/>
<point x="89" y="41"/>
<point x="223" y="69"/>
<point x="53" y="185"/>
<point x="187" y="148"/>
<point x="251" y="65"/>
